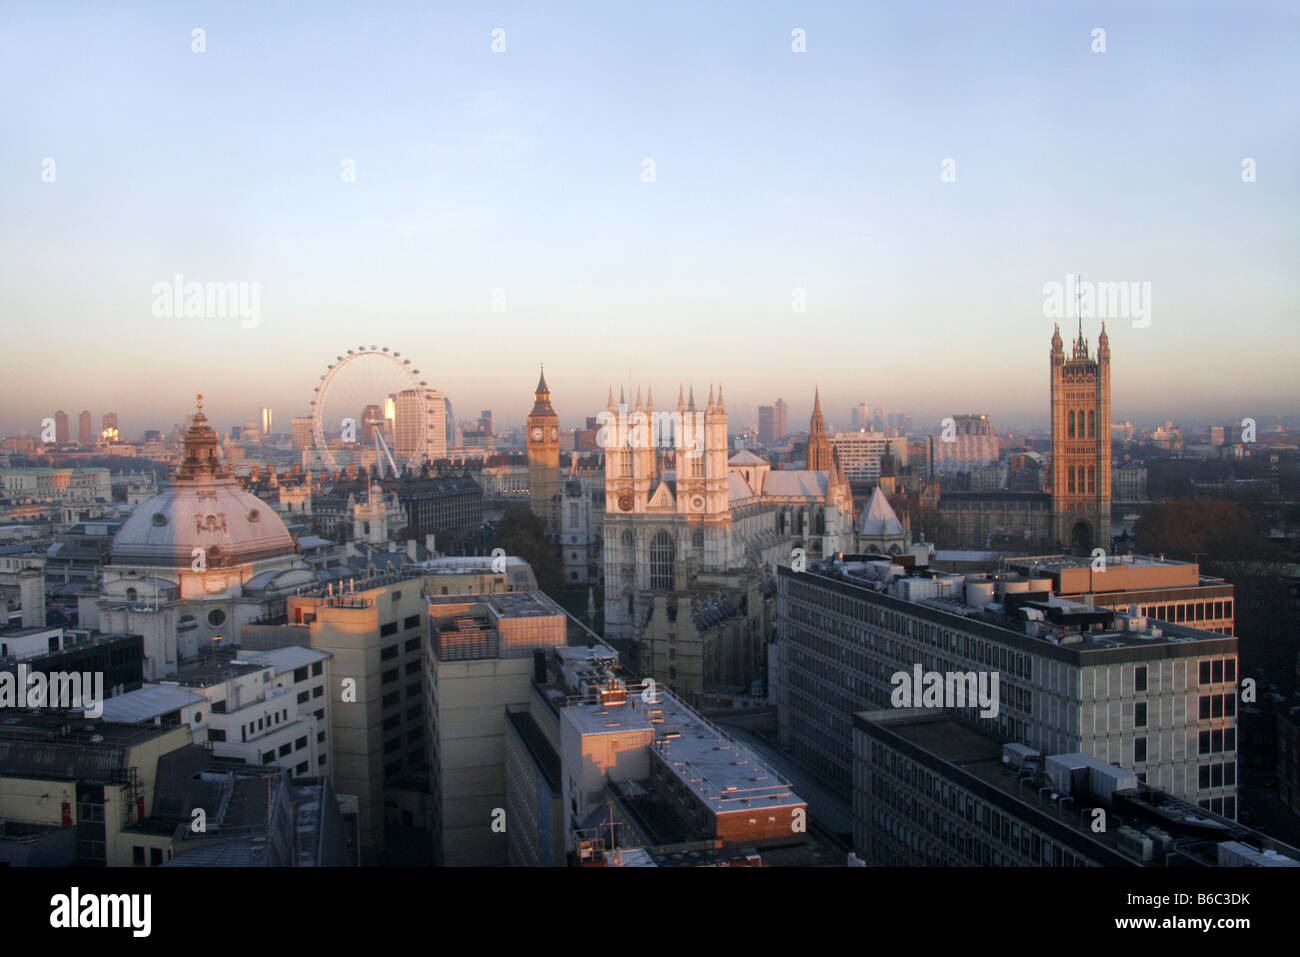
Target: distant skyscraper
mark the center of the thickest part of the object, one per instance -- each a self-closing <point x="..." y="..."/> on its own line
<point x="109" y="421"/>
<point x="61" y="427"/>
<point x="302" y="437"/>
<point x="266" y="422"/>
<point x="448" y="423"/>
<point x="485" y="421"/>
<point x="84" y="434"/>
<point x="766" y="425"/>
<point x="773" y="422"/>
<point x="1081" y="465"/>
<point x="861" y="417"/>
<point x="408" y="442"/>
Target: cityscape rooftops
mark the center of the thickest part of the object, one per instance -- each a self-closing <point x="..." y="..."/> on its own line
<point x="722" y="774"/>
<point x="1055" y="790"/>
<point x="146" y="704"/>
<point x="1008" y="607"/>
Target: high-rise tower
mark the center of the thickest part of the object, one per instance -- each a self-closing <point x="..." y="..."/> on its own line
<point x="544" y="457"/>
<point x="1081" y="444"/>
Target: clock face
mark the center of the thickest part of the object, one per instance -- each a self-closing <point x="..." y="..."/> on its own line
<point x="537" y="434"/>
<point x="625" y="502"/>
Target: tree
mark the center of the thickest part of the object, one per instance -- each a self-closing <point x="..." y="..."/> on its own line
<point x="523" y="534"/>
<point x="1221" y="535"/>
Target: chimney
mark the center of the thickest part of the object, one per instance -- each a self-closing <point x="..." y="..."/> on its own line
<point x="31" y="590"/>
<point x="410" y="549"/>
<point x="429" y="543"/>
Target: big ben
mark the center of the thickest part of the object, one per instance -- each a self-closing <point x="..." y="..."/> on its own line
<point x="544" y="457"/>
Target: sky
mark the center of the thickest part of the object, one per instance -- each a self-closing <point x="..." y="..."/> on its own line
<point x="501" y="215"/>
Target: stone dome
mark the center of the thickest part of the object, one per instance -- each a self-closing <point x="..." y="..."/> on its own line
<point x="233" y="527"/>
<point x="204" y="508"/>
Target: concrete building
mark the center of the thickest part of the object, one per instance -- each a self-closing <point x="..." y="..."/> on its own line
<point x="302" y="432"/>
<point x="933" y="791"/>
<point x="61" y="770"/>
<point x="1129" y="483"/>
<point x="1162" y="589"/>
<point x="257" y="708"/>
<point x="601" y="765"/>
<point x="1155" y="698"/>
<point x="971" y="444"/>
<point x="860" y="453"/>
<point x="479" y="662"/>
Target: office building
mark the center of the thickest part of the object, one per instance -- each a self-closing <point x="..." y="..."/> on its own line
<point x="479" y="661"/>
<point x="1156" y="698"/>
<point x="932" y="791"/>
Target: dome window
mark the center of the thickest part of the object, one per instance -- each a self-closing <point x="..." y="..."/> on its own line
<point x="216" y="618"/>
<point x="254" y="515"/>
<point x="159" y="519"/>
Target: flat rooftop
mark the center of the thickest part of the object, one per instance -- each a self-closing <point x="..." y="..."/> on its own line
<point x="1060" y="621"/>
<point x="521" y="604"/>
<point x="979" y="754"/>
<point x="721" y="772"/>
<point x="1053" y="562"/>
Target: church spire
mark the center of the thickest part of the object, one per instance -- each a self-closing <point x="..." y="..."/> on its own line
<point x="820" y="457"/>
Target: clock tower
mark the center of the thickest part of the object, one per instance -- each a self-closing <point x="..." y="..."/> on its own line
<point x="544" y="457"/>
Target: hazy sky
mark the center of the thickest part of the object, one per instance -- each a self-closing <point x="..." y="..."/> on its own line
<point x="523" y="171"/>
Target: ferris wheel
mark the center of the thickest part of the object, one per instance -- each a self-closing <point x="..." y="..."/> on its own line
<point x="373" y="397"/>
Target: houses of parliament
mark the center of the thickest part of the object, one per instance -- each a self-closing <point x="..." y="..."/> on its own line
<point x="1073" y="512"/>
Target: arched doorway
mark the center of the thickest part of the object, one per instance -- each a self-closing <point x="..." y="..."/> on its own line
<point x="1081" y="538"/>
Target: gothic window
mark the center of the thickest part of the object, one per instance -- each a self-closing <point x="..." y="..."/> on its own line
<point x="661" y="562"/>
<point x="1092" y="478"/>
<point x="629" y="540"/>
<point x="1092" y="425"/>
<point x="1070" y="472"/>
<point x="1069" y="428"/>
<point x="626" y="463"/>
<point x="697" y="538"/>
<point x="697" y="467"/>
